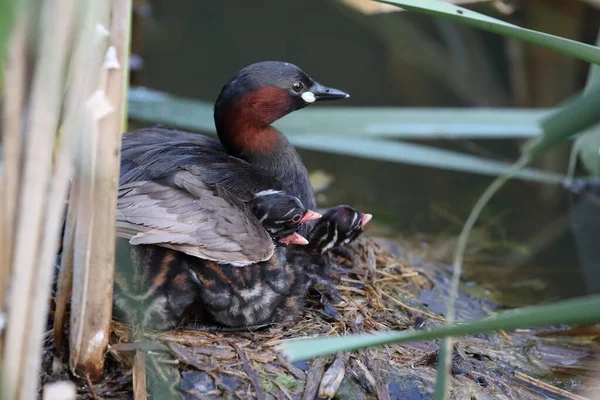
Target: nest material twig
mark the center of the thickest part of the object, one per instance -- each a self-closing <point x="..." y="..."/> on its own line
<point x="374" y="296"/>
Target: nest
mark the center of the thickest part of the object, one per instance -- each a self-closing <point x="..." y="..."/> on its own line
<point x="381" y="292"/>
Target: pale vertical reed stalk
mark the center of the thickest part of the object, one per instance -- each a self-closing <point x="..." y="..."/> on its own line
<point x="15" y="71"/>
<point x="140" y="377"/>
<point x="84" y="70"/>
<point x="96" y="108"/>
<point x="95" y="103"/>
<point x="25" y="319"/>
<point x="97" y="182"/>
<point x="80" y="87"/>
<point x="64" y="282"/>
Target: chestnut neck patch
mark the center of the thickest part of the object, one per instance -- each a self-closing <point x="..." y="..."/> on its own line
<point x="244" y="124"/>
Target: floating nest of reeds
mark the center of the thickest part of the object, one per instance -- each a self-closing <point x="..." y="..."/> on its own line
<point x="382" y="291"/>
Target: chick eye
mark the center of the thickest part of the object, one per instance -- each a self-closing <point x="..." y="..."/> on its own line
<point x="297" y="218"/>
<point x="297" y="87"/>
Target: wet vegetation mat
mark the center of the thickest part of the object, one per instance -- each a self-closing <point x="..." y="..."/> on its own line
<point x="383" y="288"/>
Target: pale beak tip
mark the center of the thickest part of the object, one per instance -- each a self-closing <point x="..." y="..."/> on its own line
<point x="294" y="238"/>
<point x="366" y="218"/>
<point x="309" y="216"/>
<point x="301" y="240"/>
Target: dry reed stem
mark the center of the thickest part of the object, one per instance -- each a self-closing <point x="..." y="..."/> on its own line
<point x="139" y="376"/>
<point x="105" y="184"/>
<point x="547" y="387"/>
<point x="54" y="217"/>
<point x="64" y="283"/>
<point x="139" y="370"/>
<point x="65" y="170"/>
<point x="251" y="372"/>
<point x="23" y="344"/>
<point x="50" y="238"/>
<point x="412" y="309"/>
<point x="313" y="379"/>
<point x="87" y="338"/>
<point x="332" y="378"/>
<point x="73" y="126"/>
<point x="53" y="223"/>
<point x="15" y="71"/>
<point x="98" y="183"/>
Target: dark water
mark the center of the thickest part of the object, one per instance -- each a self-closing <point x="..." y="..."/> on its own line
<point x="406" y="199"/>
<point x="193" y="48"/>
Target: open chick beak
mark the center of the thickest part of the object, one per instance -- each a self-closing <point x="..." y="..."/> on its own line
<point x="309" y="216"/>
<point x="294" y="238"/>
<point x="365" y="219"/>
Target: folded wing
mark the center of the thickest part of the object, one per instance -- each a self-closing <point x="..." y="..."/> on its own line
<point x="193" y="218"/>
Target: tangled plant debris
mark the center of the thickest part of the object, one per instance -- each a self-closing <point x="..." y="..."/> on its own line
<point x="381" y="291"/>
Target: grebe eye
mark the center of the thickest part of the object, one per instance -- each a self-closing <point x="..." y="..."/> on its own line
<point x="296" y="218"/>
<point x="297" y="87"/>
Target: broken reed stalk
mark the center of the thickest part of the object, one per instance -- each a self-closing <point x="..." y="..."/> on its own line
<point x="139" y="376"/>
<point x="15" y="71"/>
<point x="97" y="180"/>
<point x="74" y="124"/>
<point x="42" y="193"/>
<point x="84" y="208"/>
<point x="64" y="281"/>
<point x="140" y="391"/>
<point x="83" y="75"/>
<point x="30" y="284"/>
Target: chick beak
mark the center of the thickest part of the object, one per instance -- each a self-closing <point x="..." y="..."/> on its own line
<point x="294" y="238"/>
<point x="325" y="93"/>
<point x="365" y="219"/>
<point x="309" y="216"/>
